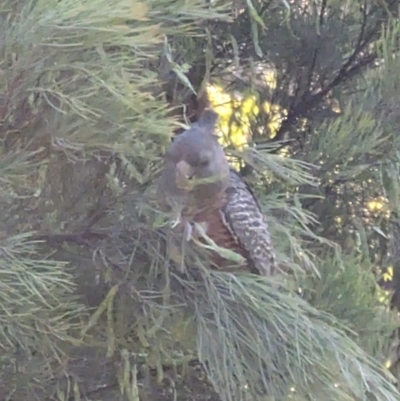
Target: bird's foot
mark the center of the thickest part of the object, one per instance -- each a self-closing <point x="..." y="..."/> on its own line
<point x="187" y="227"/>
<point x="187" y="231"/>
<point x="175" y="222"/>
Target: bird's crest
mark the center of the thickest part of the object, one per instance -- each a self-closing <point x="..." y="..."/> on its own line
<point x="208" y="119"/>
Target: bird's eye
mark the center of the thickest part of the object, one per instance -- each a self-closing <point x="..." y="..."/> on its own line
<point x="203" y="163"/>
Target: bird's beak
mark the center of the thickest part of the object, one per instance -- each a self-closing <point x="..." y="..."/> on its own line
<point x="185" y="173"/>
<point x="185" y="170"/>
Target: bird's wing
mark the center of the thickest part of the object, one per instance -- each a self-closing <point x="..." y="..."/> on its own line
<point x="242" y="216"/>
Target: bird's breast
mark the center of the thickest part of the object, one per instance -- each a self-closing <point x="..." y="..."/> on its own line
<point x="212" y="223"/>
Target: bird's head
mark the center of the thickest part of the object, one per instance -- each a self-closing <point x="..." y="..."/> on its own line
<point x="195" y="162"/>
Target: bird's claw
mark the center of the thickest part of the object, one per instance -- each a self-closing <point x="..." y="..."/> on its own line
<point x="188" y="231"/>
<point x="176" y="221"/>
<point x="187" y="227"/>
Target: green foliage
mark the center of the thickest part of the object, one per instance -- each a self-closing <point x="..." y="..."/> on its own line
<point x="274" y="341"/>
<point x="28" y="286"/>
<point x="82" y="117"/>
<point x="88" y="290"/>
<point x="348" y="290"/>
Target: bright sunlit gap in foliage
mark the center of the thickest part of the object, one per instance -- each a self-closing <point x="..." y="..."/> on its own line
<point x="377" y="204"/>
<point x="238" y="111"/>
<point x="388" y="275"/>
<point x="270" y="78"/>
